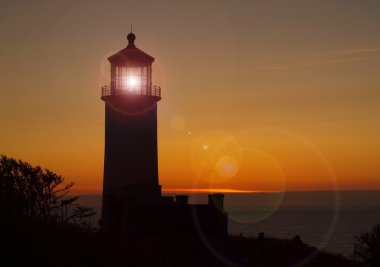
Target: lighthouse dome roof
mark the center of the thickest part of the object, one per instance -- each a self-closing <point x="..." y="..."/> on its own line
<point x="131" y="55"/>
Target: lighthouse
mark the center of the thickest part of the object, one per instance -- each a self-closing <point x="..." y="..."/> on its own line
<point x="132" y="201"/>
<point x="130" y="178"/>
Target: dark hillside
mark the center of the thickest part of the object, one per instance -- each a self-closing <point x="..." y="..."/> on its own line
<point x="41" y="244"/>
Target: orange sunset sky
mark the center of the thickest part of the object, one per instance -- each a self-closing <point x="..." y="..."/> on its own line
<point x="256" y="95"/>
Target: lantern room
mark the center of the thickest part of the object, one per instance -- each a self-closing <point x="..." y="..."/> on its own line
<point x="131" y="72"/>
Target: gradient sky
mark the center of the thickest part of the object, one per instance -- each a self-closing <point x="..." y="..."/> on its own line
<point x="257" y="95"/>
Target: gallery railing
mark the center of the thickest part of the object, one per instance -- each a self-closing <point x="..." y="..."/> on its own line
<point x="108" y="90"/>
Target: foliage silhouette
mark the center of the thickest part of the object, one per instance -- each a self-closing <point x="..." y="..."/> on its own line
<point x="367" y="247"/>
<point x="40" y="194"/>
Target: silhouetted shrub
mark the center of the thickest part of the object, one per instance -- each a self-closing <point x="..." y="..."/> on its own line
<point x="367" y="247"/>
<point x="31" y="192"/>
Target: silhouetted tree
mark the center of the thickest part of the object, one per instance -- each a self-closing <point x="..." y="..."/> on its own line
<point x="367" y="247"/>
<point x="83" y="214"/>
<point x="33" y="192"/>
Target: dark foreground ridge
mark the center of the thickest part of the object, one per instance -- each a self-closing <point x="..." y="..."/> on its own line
<point x="44" y="244"/>
<point x="41" y="226"/>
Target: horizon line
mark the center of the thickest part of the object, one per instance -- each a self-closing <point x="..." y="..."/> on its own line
<point x="224" y="190"/>
<point x="215" y="190"/>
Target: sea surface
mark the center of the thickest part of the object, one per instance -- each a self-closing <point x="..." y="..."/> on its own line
<point x="327" y="220"/>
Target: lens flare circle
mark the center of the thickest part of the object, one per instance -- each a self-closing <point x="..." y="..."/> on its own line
<point x="215" y="156"/>
<point x="262" y="172"/>
<point x="198" y="163"/>
<point x="227" y="167"/>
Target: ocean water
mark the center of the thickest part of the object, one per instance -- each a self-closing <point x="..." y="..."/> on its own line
<point x="327" y="220"/>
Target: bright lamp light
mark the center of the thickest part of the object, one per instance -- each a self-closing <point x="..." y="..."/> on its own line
<point x="131" y="82"/>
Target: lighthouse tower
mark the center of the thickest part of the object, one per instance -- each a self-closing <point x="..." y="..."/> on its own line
<point x="130" y="180"/>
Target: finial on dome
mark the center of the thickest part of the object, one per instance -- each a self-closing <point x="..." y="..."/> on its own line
<point x="131" y="38"/>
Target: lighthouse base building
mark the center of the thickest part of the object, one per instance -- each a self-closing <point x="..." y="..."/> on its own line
<point x="132" y="199"/>
<point x="173" y="215"/>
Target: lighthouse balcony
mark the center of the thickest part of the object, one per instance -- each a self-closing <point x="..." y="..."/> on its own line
<point x="109" y="90"/>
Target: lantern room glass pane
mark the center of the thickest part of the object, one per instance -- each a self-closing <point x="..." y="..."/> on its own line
<point x="136" y="80"/>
